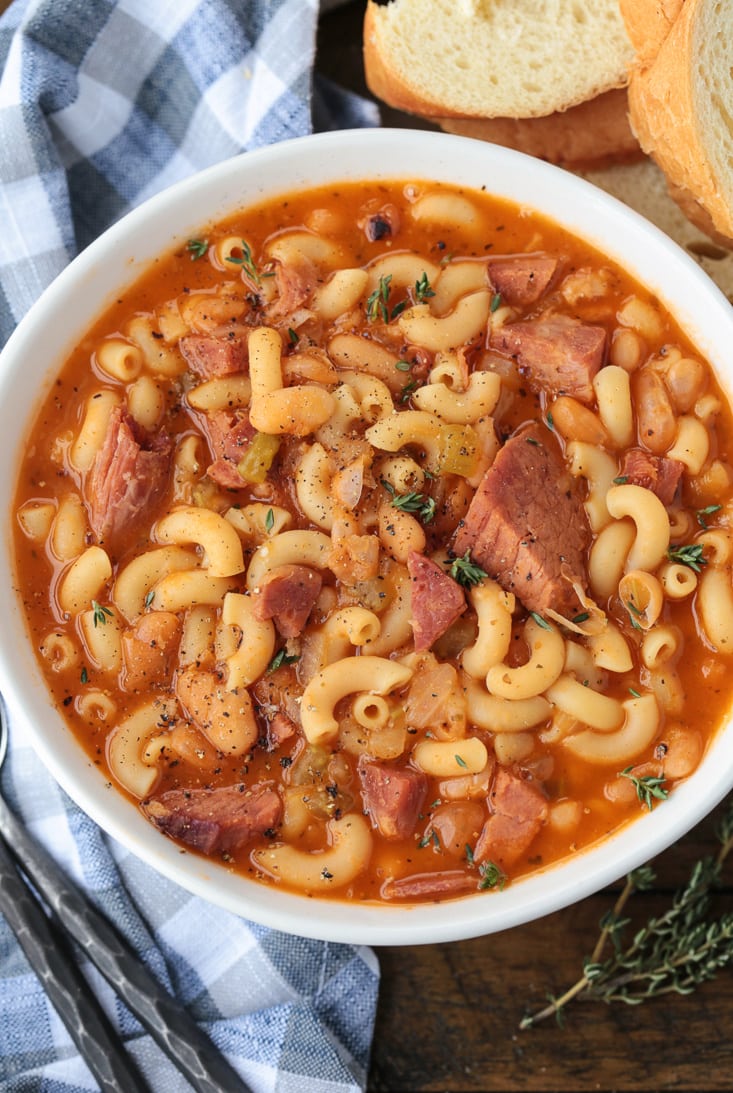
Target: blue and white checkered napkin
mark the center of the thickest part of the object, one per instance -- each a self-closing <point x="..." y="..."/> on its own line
<point x="103" y="104"/>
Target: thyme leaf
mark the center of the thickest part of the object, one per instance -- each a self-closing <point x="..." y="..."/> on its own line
<point x="707" y="511"/>
<point x="407" y="390"/>
<point x="634" y="615"/>
<point x="197" y="248"/>
<point x="466" y="572"/>
<point x="280" y="659"/>
<point x="491" y="876"/>
<point x="377" y="306"/>
<point x="100" y="614"/>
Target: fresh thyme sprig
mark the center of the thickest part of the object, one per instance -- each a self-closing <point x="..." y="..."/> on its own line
<point x="423" y="291"/>
<point x="377" y="305"/>
<point x="421" y="504"/>
<point x="648" y="788"/>
<point x="100" y="613"/>
<point x="689" y="555"/>
<point x="197" y="248"/>
<point x="674" y="952"/>
<point x="491" y="876"/>
<point x="247" y="263"/>
<point x="466" y="572"/>
<point x="709" y="510"/>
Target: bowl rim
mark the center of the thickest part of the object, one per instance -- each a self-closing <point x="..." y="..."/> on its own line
<point x="114" y="261"/>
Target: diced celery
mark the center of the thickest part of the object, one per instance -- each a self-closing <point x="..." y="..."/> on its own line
<point x="256" y="462"/>
<point x="459" y="450"/>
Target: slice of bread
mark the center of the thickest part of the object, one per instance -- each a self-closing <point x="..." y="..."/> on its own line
<point x="493" y="58"/>
<point x="681" y="108"/>
<point x="595" y="132"/>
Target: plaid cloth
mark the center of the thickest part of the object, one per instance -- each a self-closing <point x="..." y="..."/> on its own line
<point x="102" y="104"/>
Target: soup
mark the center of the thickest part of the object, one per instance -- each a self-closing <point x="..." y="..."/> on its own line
<point x="376" y="543"/>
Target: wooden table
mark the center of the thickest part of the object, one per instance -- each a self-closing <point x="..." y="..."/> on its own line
<point x="448" y="1016"/>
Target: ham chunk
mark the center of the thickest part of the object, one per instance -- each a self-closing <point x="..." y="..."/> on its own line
<point x="208" y="355"/>
<point x="558" y="354"/>
<point x="287" y="595"/>
<point x="520" y="279"/>
<point x="281" y="729"/>
<point x="526" y="526"/>
<point x="437" y="600"/>
<point x="216" y="820"/>
<point x="129" y="474"/>
<point x="519" y="811"/>
<point x="229" y="434"/>
<point x="653" y="472"/>
<point x="392" y="797"/>
<point x="426" y="886"/>
<point x="294" y="285"/>
<point x="148" y="650"/>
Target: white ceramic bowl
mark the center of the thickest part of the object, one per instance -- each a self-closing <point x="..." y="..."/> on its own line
<point x="39" y="346"/>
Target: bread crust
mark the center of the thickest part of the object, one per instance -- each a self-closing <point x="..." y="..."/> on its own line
<point x="382" y="81"/>
<point x="594" y="133"/>
<point x="648" y="22"/>
<point x="665" y="120"/>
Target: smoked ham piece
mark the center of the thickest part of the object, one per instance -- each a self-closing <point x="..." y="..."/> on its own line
<point x="229" y="434"/>
<point x="218" y="819"/>
<point x="287" y="595"/>
<point x="519" y="811"/>
<point x="443" y="885"/>
<point x="520" y="279"/>
<point x="208" y="355"/>
<point x="128" y="475"/>
<point x="556" y="354"/>
<point x="437" y="600"/>
<point x="392" y="797"/>
<point x="653" y="472"/>
<point x="526" y="525"/>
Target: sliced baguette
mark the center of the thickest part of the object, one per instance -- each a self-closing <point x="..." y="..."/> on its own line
<point x="681" y="106"/>
<point x="493" y="58"/>
<point x="595" y="132"/>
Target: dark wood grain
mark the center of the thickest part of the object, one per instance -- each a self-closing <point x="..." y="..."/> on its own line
<point x="448" y="1015"/>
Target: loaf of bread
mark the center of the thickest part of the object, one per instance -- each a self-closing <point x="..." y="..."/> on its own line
<point x="493" y="58"/>
<point x="596" y="132"/>
<point x="681" y="104"/>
